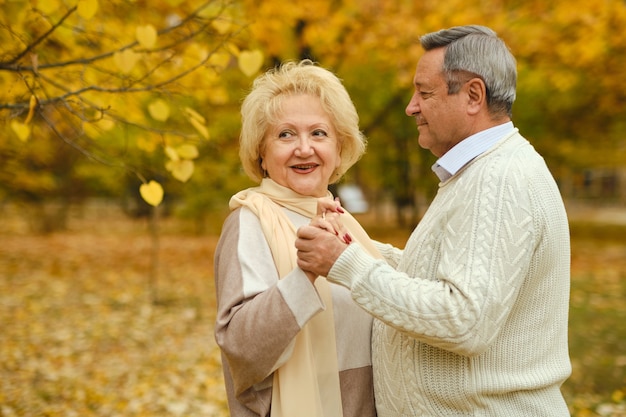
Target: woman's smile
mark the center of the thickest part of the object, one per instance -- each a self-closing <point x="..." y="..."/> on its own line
<point x="301" y="150"/>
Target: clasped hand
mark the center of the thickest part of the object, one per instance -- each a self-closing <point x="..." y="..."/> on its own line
<point x="320" y="243"/>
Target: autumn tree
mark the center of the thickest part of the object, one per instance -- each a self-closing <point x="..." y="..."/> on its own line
<point x="134" y="87"/>
<point x="154" y="89"/>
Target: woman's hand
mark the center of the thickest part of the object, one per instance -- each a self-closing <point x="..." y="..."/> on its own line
<point x="328" y="218"/>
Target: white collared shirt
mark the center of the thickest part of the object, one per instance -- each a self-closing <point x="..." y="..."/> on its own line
<point x="467" y="149"/>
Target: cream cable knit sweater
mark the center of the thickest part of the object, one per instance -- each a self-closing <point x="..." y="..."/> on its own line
<point x="472" y="314"/>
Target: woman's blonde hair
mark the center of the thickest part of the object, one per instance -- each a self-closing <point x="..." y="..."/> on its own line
<point x="262" y="107"/>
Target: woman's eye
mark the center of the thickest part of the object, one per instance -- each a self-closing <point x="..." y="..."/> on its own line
<point x="284" y="134"/>
<point x="319" y="132"/>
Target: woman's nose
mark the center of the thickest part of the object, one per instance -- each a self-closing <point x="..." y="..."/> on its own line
<point x="304" y="146"/>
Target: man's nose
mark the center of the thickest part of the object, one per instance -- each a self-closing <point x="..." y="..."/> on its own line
<point x="412" y="108"/>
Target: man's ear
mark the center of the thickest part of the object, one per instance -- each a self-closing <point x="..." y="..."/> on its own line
<point x="476" y="94"/>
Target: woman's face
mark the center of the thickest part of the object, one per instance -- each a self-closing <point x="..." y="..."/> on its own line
<point x="301" y="151"/>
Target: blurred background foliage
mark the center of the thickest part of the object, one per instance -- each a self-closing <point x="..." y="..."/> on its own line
<point x="101" y="97"/>
<point x="83" y="81"/>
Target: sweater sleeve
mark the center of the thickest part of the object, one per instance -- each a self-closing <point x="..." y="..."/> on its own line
<point x="389" y="253"/>
<point x="461" y="269"/>
<point x="258" y="315"/>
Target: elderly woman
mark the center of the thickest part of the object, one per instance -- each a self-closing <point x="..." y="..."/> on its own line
<point x="292" y="344"/>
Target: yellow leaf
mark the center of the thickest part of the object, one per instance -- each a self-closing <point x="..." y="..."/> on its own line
<point x="187" y="151"/>
<point x="95" y="129"/>
<point x="152" y="193"/>
<point x="146" y="144"/>
<point x="222" y="23"/>
<point x="159" y="110"/>
<point x="617" y="396"/>
<point x="126" y="60"/>
<point x="211" y="78"/>
<point x="222" y="20"/>
<point x="192" y="114"/>
<point x="48" y="6"/>
<point x="196" y="52"/>
<point x="211" y="10"/>
<point x="31" y="109"/>
<point x="232" y="48"/>
<point x="201" y="128"/>
<point x="250" y="62"/>
<point x="146" y="36"/>
<point x="219" y="60"/>
<point x="21" y="130"/>
<point x="171" y="153"/>
<point x="181" y="170"/>
<point x="218" y="95"/>
<point x="105" y="124"/>
<point x="87" y="8"/>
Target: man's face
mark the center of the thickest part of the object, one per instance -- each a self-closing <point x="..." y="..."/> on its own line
<point x="440" y="118"/>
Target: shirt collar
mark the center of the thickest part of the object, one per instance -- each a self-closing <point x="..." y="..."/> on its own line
<point x="467" y="149"/>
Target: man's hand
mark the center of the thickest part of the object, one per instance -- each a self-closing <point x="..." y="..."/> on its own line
<point x="317" y="249"/>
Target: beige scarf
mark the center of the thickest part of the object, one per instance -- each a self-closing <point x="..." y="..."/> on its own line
<point x="307" y="385"/>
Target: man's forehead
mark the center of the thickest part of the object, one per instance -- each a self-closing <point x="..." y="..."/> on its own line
<point x="428" y="70"/>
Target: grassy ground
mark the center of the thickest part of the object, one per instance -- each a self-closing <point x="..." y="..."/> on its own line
<point x="598" y="321"/>
<point x="81" y="337"/>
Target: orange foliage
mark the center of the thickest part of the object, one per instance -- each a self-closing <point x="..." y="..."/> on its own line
<point x="80" y="337"/>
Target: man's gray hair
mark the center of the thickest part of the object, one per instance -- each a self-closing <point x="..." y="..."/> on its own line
<point x="477" y="51"/>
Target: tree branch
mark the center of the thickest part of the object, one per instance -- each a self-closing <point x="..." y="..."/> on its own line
<point x="38" y="40"/>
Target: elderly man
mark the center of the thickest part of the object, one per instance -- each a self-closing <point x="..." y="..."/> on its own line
<point x="471" y="317"/>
